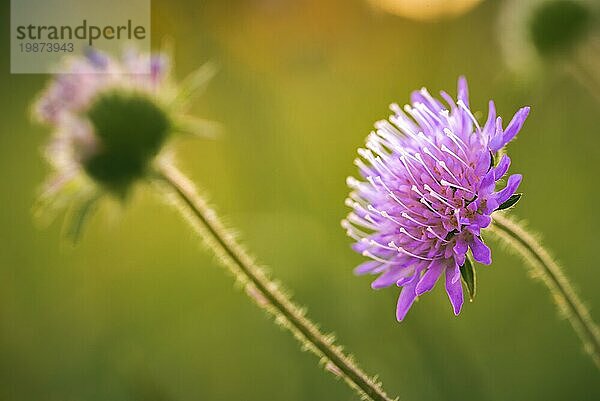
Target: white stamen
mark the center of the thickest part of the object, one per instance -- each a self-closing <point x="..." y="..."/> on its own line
<point x="404" y="251"/>
<point x="352" y="182"/>
<point x="385" y="167"/>
<point x="405" y="232"/>
<point x="420" y="159"/>
<point x="383" y="214"/>
<point x="406" y="216"/>
<point x="457" y="141"/>
<point x="354" y="232"/>
<point x="369" y="218"/>
<point x="465" y="108"/>
<point x="403" y="125"/>
<point x="404" y="161"/>
<point x="426" y="109"/>
<point x="445" y="149"/>
<point x="429" y="229"/>
<point x="443" y="165"/>
<point x="430" y="207"/>
<point x="438" y="196"/>
<point x="449" y="184"/>
<point x="377" y="244"/>
<point x="415" y="189"/>
<point x="370" y="255"/>
<point x="391" y="193"/>
<point x="419" y="116"/>
<point x="353" y="235"/>
<point x="355" y="219"/>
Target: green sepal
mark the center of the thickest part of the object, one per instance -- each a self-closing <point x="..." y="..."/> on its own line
<point x="76" y="222"/>
<point x="467" y="273"/>
<point x="510" y="202"/>
<point x="131" y="128"/>
<point x="198" y="127"/>
<point x="194" y="84"/>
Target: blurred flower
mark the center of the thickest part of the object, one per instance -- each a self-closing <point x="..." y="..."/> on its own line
<point x="110" y="119"/>
<point x="430" y="189"/>
<point x="539" y="33"/>
<point x="424" y="10"/>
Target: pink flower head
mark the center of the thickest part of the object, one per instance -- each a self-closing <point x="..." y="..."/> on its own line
<point x="428" y="189"/>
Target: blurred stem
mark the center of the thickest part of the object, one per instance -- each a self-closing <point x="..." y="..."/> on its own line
<point x="551" y="274"/>
<point x="584" y="67"/>
<point x="265" y="292"/>
<point x="585" y="78"/>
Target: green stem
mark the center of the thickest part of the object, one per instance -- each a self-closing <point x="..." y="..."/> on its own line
<point x="265" y="292"/>
<point x="551" y="274"/>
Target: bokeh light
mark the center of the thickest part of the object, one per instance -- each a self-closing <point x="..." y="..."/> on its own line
<point x="426" y="10"/>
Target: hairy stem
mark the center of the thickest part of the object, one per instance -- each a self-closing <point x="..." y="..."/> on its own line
<point x="265" y="292"/>
<point x="551" y="274"/>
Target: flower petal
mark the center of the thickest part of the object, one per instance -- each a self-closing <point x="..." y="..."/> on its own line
<point x="366" y="267"/>
<point x="461" y="245"/>
<point x="496" y="141"/>
<point x="502" y="167"/>
<point x="390" y="277"/>
<point x="454" y="273"/>
<point x="487" y="184"/>
<point x="511" y="187"/>
<point x="427" y="282"/>
<point x="463" y="90"/>
<point x="454" y="291"/>
<point x="481" y="252"/>
<point x="515" y="125"/>
<point x="489" y="127"/>
<point x="483" y="164"/>
<point x="406" y="298"/>
<point x="423" y="96"/>
<point x="482" y="220"/>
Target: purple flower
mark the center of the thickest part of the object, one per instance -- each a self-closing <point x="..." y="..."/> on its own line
<point x="429" y="188"/>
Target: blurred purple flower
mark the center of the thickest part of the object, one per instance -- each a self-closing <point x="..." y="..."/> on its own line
<point x="111" y="118"/>
<point x="430" y="189"/>
<point x="73" y="91"/>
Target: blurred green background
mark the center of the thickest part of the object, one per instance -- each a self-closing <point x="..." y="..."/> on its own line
<point x="138" y="311"/>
